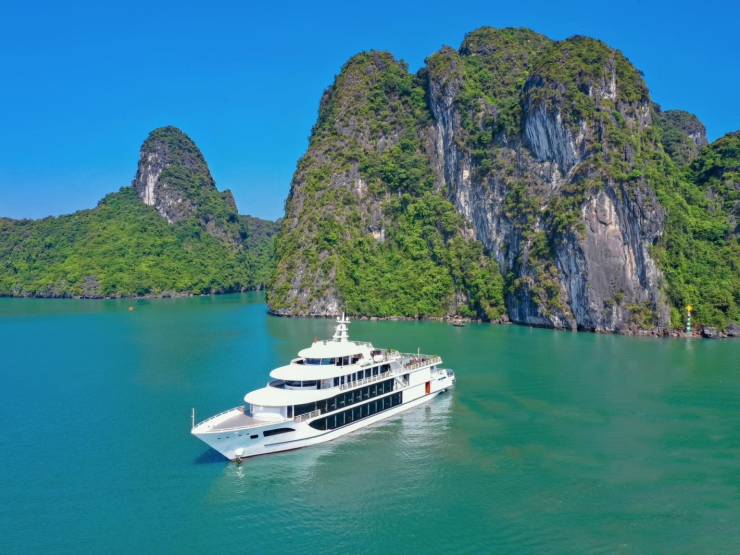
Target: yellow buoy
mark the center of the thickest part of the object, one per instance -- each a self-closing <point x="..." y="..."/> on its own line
<point x="131" y="308"/>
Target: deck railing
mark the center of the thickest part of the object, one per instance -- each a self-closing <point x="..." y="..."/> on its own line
<point x="241" y="409"/>
<point x="365" y="381"/>
<point x="419" y="362"/>
<point x="307" y="416"/>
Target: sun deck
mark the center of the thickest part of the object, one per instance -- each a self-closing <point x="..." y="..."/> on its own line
<point x="231" y="419"/>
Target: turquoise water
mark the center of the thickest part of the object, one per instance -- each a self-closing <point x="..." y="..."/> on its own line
<point x="553" y="442"/>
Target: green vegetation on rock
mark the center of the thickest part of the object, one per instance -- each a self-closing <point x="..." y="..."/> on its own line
<point x="125" y="248"/>
<point x="370" y="218"/>
<point x="577" y="183"/>
<point x="700" y="254"/>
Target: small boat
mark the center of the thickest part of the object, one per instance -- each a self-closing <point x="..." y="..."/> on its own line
<point x="333" y="388"/>
<point x="458" y="322"/>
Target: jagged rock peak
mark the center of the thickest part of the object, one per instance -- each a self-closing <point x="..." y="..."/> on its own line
<point x="171" y="170"/>
<point x="682" y="134"/>
<point x="351" y="87"/>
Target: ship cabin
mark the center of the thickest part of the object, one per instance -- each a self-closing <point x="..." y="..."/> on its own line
<point x="316" y="380"/>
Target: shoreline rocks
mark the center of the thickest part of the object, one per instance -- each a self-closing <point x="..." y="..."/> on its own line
<point x="708" y="332"/>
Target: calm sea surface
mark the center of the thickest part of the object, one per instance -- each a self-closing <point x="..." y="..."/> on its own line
<point x="552" y="442"/>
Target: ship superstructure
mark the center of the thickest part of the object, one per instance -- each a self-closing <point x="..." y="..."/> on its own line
<point x="334" y="387"/>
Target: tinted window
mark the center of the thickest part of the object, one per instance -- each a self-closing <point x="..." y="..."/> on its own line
<point x="277" y="431"/>
<point x="303" y="409"/>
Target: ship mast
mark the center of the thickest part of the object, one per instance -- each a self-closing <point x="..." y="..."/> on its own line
<point x="341" y="333"/>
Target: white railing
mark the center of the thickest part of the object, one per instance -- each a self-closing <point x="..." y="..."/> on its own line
<point x="418" y="362"/>
<point x="231" y="429"/>
<point x="240" y="409"/>
<point x="365" y="381"/>
<point x="307" y="416"/>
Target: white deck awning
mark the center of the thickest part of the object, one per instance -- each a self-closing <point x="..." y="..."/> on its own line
<point x="307" y="372"/>
<point x="275" y="397"/>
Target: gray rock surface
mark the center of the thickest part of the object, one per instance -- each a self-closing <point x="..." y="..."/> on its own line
<point x="709" y="332"/>
<point x="602" y="275"/>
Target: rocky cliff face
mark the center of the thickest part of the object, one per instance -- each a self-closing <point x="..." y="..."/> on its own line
<point x="174" y="178"/>
<point x="365" y="228"/>
<point x="169" y="162"/>
<point x="550" y="153"/>
<point x="572" y="236"/>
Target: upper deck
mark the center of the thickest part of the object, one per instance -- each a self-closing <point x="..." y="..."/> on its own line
<point x="390" y="364"/>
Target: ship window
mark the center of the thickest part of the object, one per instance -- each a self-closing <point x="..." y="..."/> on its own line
<point x="309" y="383"/>
<point x="342" y="380"/>
<point x="290" y="412"/>
<point x="277" y="431"/>
<point x="327" y="361"/>
<point x="254" y="437"/>
<point x="293" y="383"/>
<point x="303" y="409"/>
<point x="345" y="361"/>
<point x="336" y="382"/>
<point x="353" y="414"/>
<point x="313" y="361"/>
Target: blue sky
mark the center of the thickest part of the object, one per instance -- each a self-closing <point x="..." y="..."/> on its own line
<point x="84" y="83"/>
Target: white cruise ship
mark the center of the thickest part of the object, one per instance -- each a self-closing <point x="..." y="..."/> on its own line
<point x="333" y="388"/>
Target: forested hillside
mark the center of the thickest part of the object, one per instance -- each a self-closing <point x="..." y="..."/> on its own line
<point x="171" y="232"/>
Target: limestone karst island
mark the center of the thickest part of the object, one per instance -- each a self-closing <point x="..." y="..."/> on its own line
<point x="362" y="278"/>
<point x="517" y="178"/>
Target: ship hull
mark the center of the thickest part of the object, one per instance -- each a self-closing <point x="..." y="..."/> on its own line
<point x="241" y="444"/>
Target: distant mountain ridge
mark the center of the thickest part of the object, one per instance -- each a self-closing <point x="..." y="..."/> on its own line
<point x="515" y="177"/>
<point x="170" y="233"/>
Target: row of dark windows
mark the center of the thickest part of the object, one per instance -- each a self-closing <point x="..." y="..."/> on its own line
<point x="338" y="361"/>
<point x="345" y="399"/>
<point x="348" y="416"/>
<point x="276" y="431"/>
<point x="299" y="383"/>
<point x="349" y="378"/>
<point x="341" y="380"/>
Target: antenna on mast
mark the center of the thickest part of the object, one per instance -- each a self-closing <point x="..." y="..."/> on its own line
<point x="341" y="333"/>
